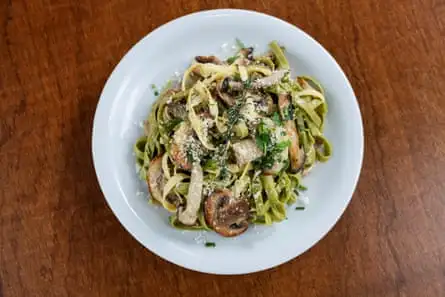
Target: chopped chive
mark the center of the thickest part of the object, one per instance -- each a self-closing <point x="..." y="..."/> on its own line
<point x="299" y="208"/>
<point x="153" y="86"/>
<point x="210" y="244"/>
<point x="239" y="43"/>
<point x="156" y="93"/>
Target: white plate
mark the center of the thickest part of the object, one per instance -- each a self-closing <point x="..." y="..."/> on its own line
<point x="126" y="100"/>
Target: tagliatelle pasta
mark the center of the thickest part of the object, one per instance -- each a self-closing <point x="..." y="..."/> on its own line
<point x="228" y="145"/>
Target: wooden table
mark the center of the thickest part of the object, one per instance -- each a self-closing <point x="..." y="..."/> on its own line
<point x="59" y="238"/>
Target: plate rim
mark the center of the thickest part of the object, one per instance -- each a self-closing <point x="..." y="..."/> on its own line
<point x="130" y="227"/>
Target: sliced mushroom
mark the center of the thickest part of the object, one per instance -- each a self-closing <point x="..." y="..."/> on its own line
<point x="229" y="85"/>
<point x="245" y="151"/>
<point x="189" y="214"/>
<point x="247" y="52"/>
<point x="295" y="156"/>
<point x="174" y="199"/>
<point x="208" y="59"/>
<point x="222" y="88"/>
<point x="225" y="214"/>
<point x="283" y="102"/>
<point x="177" y="110"/>
<point x="235" y="86"/>
<point x="178" y="150"/>
<point x="270" y="80"/>
<point x="264" y="103"/>
<point x="155" y="178"/>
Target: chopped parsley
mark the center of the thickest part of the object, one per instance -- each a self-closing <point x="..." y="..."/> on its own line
<point x="210" y="244"/>
<point x="299" y="208"/>
<point x="248" y="84"/>
<point x="288" y="113"/>
<point x="302" y="188"/>
<point x="224" y="172"/>
<point x="276" y="119"/>
<point x="170" y="125"/>
<point x="155" y="89"/>
<point x="189" y="153"/>
<point x="270" y="148"/>
<point x="279" y="147"/>
<point x="233" y="115"/>
<point x="262" y="138"/>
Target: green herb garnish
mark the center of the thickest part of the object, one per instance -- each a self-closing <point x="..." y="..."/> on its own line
<point x="279" y="147"/>
<point x="210" y="244"/>
<point x="224" y="172"/>
<point x="276" y="119"/>
<point x="156" y="93"/>
<point x="299" y="208"/>
<point x="239" y="44"/>
<point x="189" y="154"/>
<point x="302" y="188"/>
<point x="288" y="113"/>
<point x="262" y="138"/>
<point x="248" y="84"/>
<point x="170" y="125"/>
<point x="271" y="150"/>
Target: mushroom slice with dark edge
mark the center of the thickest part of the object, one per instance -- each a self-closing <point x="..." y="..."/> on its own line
<point x="222" y="89"/>
<point x="263" y="103"/>
<point x="155" y="178"/>
<point x="225" y="214"/>
<point x="208" y="59"/>
<point x="244" y="56"/>
<point x="247" y="52"/>
<point x="189" y="214"/>
<point x="177" y="110"/>
<point x="178" y="151"/>
<point x="296" y="156"/>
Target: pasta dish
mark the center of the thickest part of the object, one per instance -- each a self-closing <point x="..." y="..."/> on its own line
<point x="227" y="145"/>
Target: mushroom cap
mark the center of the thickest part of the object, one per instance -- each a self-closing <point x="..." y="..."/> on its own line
<point x="208" y="59"/>
<point x="225" y="214"/>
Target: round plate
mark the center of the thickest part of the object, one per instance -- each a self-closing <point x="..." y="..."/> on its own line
<point x="125" y="102"/>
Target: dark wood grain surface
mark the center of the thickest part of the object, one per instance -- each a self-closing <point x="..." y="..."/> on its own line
<point x="59" y="238"/>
